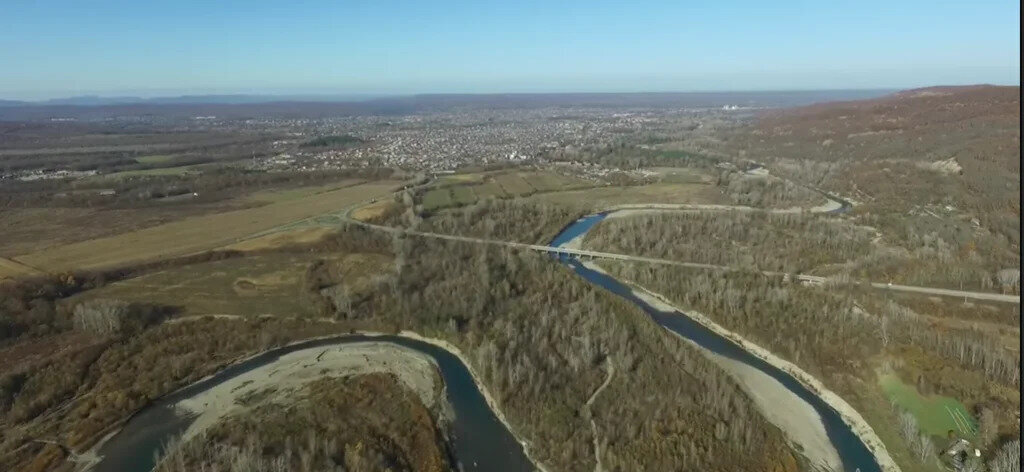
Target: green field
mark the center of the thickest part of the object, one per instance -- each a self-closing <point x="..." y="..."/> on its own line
<point x="466" y="189"/>
<point x="514" y="184"/>
<point x="677" y="175"/>
<point x="455" y="179"/>
<point x="157" y="171"/>
<point x="437" y="198"/>
<point x="934" y="413"/>
<point x="157" y="159"/>
<point x="544" y="182"/>
<point x="489" y="189"/>
<point x="463" y="195"/>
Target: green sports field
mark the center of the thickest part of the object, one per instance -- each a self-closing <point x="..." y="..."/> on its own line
<point x="935" y="414"/>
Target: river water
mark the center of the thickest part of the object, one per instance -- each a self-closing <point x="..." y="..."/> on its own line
<point x="852" y="451"/>
<point x="479" y="439"/>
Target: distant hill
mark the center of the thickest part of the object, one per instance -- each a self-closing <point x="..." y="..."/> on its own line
<point x="315" y="106"/>
<point x="939" y="146"/>
<point x="95" y="100"/>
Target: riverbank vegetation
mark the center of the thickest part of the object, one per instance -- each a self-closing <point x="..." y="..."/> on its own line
<point x="846" y="249"/>
<point x="365" y="423"/>
<point x="847" y="338"/>
<point x="537" y="336"/>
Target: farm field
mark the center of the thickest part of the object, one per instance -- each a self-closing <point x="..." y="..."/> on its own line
<point x="301" y="235"/>
<point x="12" y="269"/>
<point x="31" y="230"/>
<point x="156" y="171"/>
<point x="514" y="184"/>
<point x="462" y="195"/>
<point x="258" y="284"/>
<point x="678" y="175"/>
<point x="197" y="233"/>
<point x="604" y="197"/>
<point x="154" y="159"/>
<point x="489" y="189"/>
<point x="466" y="189"/>
<point x="437" y="198"/>
<point x="374" y="210"/>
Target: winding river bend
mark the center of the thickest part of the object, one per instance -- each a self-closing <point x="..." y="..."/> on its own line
<point x="480" y="441"/>
<point x="853" y="453"/>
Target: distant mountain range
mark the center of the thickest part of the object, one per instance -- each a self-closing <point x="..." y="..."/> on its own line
<point x="235" y="99"/>
<point x="321" y="106"/>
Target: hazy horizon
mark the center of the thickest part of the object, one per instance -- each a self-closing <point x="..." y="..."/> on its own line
<point x="355" y="97"/>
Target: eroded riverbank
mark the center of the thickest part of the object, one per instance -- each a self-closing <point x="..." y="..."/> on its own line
<point x="479" y="437"/>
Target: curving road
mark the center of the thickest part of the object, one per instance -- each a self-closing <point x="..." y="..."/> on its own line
<point x="988" y="296"/>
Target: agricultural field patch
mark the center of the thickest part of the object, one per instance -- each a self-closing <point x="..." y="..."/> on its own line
<point x="304" y="235"/>
<point x="514" y="184"/>
<point x="14" y="269"/>
<point x="461" y="179"/>
<point x="682" y="175"/>
<point x="277" y="196"/>
<point x="196" y="234"/>
<point x="154" y="159"/>
<point x="259" y="284"/>
<point x="374" y="210"/>
<point x="604" y="197"/>
<point x="180" y="170"/>
<point x="463" y="195"/>
<point x="488" y="189"/>
<point x="437" y="198"/>
<point x="249" y="286"/>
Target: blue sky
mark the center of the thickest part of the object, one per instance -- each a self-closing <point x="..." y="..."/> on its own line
<point x="63" y="47"/>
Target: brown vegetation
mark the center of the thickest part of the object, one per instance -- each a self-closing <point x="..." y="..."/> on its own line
<point x="364" y="423"/>
<point x="535" y="333"/>
<point x="842" y="336"/>
<point x="198" y="233"/>
<point x="934" y="170"/>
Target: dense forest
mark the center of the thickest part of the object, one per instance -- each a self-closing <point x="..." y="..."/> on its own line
<point x="842" y="336"/>
<point x="844" y="248"/>
<point x="540" y="338"/>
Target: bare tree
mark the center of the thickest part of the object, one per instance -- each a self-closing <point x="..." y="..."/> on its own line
<point x="102" y="317"/>
<point x="1007" y="459"/>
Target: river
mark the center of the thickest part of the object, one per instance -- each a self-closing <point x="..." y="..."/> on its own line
<point x="479" y="440"/>
<point x="853" y="453"/>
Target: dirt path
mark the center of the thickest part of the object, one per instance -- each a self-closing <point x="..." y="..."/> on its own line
<point x="610" y="368"/>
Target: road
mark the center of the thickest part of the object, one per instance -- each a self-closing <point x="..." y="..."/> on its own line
<point x="584" y="253"/>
